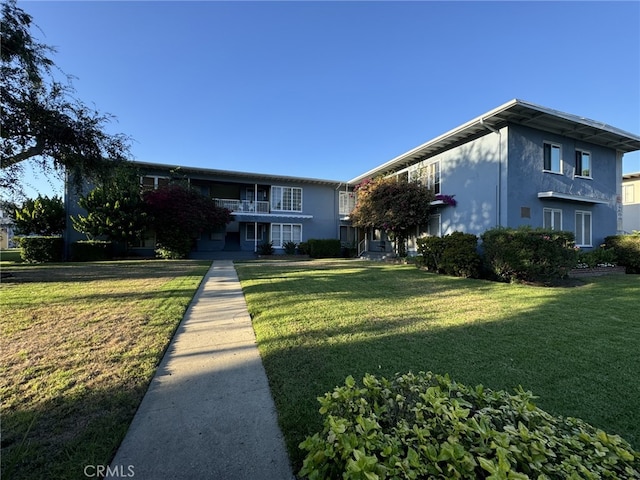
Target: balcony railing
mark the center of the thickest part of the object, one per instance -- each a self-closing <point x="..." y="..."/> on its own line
<point x="242" y="206"/>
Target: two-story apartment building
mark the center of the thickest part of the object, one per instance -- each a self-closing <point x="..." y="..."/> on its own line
<point x="266" y="208"/>
<point x="631" y="202"/>
<point x="519" y="164"/>
<point x="522" y="164"/>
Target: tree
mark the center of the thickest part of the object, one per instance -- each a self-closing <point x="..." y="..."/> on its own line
<point x="42" y="216"/>
<point x="393" y="205"/>
<point x="115" y="208"/>
<point x="41" y="119"/>
<point x="179" y="215"/>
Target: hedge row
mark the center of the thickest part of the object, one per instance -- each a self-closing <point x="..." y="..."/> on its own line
<point x="41" y="249"/>
<point x="507" y="254"/>
<point x="428" y="426"/>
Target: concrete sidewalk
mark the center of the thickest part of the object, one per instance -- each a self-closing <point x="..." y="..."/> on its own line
<point x="208" y="412"/>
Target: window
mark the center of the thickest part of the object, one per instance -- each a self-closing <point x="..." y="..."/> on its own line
<point x="288" y="199"/>
<point x="583" y="229"/>
<point x="151" y="182"/>
<point x="583" y="164"/>
<point x="552" y="158"/>
<point x="627" y="194"/>
<point x="347" y="202"/>
<point x="434" y="227"/>
<point x="552" y="219"/>
<point x="251" y="232"/>
<point x="282" y="233"/>
<point x="433" y="177"/>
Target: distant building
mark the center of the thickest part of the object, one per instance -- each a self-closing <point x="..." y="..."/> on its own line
<point x="631" y="202"/>
<point x="6" y="229"/>
<point x="519" y="164"/>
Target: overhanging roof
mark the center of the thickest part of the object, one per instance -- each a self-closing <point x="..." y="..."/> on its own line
<point x="247" y="177"/>
<point x="520" y="113"/>
<point x="568" y="196"/>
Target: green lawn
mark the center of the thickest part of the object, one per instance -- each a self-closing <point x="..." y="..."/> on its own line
<point x="317" y="322"/>
<point x="79" y="345"/>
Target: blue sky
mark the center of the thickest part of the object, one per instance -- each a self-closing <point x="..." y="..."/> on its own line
<point x="333" y="89"/>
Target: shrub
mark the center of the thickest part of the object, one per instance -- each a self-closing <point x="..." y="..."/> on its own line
<point x="428" y="426"/>
<point x="289" y="248"/>
<point x="526" y="254"/>
<point x="41" y="249"/>
<point x="455" y="254"/>
<point x="91" y="251"/>
<point x="626" y="249"/>
<point x="265" y="248"/>
<point x="303" y="248"/>
<point x="324" y="248"/>
<point x="599" y="257"/>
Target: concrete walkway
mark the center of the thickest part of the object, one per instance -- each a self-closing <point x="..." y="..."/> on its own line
<point x="208" y="413"/>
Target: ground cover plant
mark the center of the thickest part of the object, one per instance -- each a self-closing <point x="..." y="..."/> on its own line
<point x="319" y="322"/>
<point x="79" y="345"/>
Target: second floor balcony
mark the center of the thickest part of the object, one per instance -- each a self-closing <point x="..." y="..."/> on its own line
<point x="242" y="206"/>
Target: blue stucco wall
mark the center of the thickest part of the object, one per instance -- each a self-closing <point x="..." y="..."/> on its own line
<point x="526" y="178"/>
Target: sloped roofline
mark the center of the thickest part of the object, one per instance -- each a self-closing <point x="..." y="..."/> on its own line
<point x="515" y="112"/>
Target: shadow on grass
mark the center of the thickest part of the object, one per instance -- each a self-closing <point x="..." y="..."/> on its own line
<point x="122" y="269"/>
<point x="90" y="425"/>
<point x="577" y="349"/>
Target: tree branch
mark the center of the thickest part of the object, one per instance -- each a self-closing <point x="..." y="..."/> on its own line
<point x="34" y="151"/>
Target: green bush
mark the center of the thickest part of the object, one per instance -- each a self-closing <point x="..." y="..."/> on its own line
<point x="627" y="250"/>
<point x="455" y="254"/>
<point x="324" y="248"/>
<point x="303" y="248"/>
<point x="265" y="248"/>
<point x="526" y="254"/>
<point x="598" y="257"/>
<point x="91" y="251"/>
<point x="428" y="426"/>
<point x="289" y="248"/>
<point x="41" y="249"/>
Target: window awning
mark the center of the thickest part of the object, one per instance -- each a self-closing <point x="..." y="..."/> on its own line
<point x="573" y="198"/>
<point x="270" y="217"/>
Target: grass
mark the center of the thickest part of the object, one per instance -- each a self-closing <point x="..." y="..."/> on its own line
<point x="79" y="346"/>
<point x="318" y="322"/>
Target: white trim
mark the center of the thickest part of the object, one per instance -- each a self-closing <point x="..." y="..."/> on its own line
<point x="567" y="196"/>
<point x="590" y="239"/>
<point x="560" y="159"/>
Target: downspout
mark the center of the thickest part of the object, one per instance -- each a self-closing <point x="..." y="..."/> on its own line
<point x="499" y="180"/>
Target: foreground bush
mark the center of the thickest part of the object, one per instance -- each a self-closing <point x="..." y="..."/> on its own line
<point x="428" y="426"/>
<point x="454" y="254"/>
<point x="527" y="254"/>
<point x="324" y="248"/>
<point x="41" y="249"/>
<point x="627" y="250"/>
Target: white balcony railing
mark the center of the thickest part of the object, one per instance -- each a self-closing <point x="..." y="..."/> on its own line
<point x="242" y="206"/>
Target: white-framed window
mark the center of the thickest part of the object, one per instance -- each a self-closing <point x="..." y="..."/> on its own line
<point x="583" y="164"/>
<point x="627" y="194"/>
<point x="286" y="199"/>
<point x="428" y="175"/>
<point x="347" y="202"/>
<point x="153" y="182"/>
<point x="433" y="177"/>
<point x="434" y="227"/>
<point x="552" y="219"/>
<point x="552" y="158"/>
<point x="282" y="233"/>
<point x="583" y="228"/>
<point x="250" y="234"/>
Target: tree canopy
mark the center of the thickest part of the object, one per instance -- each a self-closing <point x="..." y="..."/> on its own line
<point x="40" y="216"/>
<point x="41" y="119"/>
<point x="114" y="209"/>
<point x="179" y="215"/>
<point x="394" y="205"/>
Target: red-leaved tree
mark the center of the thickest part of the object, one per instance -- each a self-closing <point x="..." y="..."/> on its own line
<point x="393" y="205"/>
<point x="179" y="215"/>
